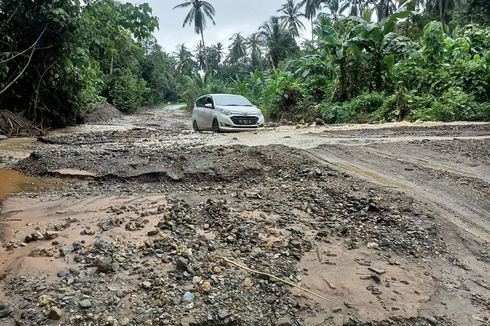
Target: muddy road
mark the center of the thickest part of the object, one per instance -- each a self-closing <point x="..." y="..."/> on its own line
<point x="139" y="220"/>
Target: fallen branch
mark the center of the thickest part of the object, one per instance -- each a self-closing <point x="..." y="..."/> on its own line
<point x="229" y="261"/>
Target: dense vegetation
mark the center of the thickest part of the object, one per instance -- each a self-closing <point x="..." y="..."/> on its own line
<point x="365" y="60"/>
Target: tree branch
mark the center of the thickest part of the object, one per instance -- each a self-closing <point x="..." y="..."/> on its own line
<point x="20" y="53"/>
<point x="27" y="64"/>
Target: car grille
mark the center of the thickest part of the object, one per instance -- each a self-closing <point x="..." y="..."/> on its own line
<point x="244" y="120"/>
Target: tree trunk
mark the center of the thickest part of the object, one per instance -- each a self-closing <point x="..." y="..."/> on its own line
<point x="441" y="11"/>
<point x="203" y="49"/>
<point x="343" y="80"/>
<point x="312" y="33"/>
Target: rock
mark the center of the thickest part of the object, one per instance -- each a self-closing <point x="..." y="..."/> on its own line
<point x="248" y="282"/>
<point x="106" y="265"/>
<point x="146" y="285"/>
<point x="131" y="226"/>
<point x="99" y="243"/>
<point x="125" y="321"/>
<point x="5" y="310"/>
<point x="64" y="273"/>
<point x="2" y="137"/>
<point x="66" y="250"/>
<point x="206" y="286"/>
<point x="189" y="321"/>
<point x="377" y="270"/>
<point x="181" y="264"/>
<point x="216" y="270"/>
<point x="188" y="296"/>
<point x="55" y="313"/>
<point x="153" y="233"/>
<point x="284" y="321"/>
<point x="85" y="304"/>
<point x="223" y="313"/>
<point x="50" y="235"/>
<point x="372" y="245"/>
<point x="196" y="280"/>
<point x="44" y="299"/>
<point x="319" y="122"/>
<point x="77" y="245"/>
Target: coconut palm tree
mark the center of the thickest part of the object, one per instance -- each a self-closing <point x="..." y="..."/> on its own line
<point x="237" y="48"/>
<point x="311" y="10"/>
<point x="279" y="41"/>
<point x="184" y="61"/>
<point x="335" y="8"/>
<point x="291" y="17"/>
<point x="201" y="56"/>
<point x="219" y="48"/>
<point x="254" y="44"/>
<point x="200" y="10"/>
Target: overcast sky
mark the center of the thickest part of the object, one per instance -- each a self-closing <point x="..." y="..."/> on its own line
<point x="232" y="16"/>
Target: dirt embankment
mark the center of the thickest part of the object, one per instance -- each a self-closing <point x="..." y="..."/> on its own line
<point x="153" y="226"/>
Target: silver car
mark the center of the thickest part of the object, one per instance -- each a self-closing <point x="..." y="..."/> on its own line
<point x="225" y="112"/>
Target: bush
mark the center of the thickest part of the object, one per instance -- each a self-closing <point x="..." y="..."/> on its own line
<point x="357" y="110"/>
<point x="127" y="91"/>
<point x="454" y="105"/>
<point x="282" y="96"/>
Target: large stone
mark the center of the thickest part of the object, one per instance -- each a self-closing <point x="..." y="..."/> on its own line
<point x="85" y="304"/>
<point x="55" y="313"/>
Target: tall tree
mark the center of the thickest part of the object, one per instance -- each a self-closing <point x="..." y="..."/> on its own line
<point x="335" y="8"/>
<point x="200" y="10"/>
<point x="238" y="49"/>
<point x="279" y="41"/>
<point x="254" y="44"/>
<point x="185" y="63"/>
<point x="311" y="10"/>
<point x="291" y="17"/>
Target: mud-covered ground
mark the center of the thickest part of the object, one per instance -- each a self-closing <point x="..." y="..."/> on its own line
<point x="141" y="222"/>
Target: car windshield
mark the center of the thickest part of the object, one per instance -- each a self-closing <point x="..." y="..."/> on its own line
<point x="231" y="100"/>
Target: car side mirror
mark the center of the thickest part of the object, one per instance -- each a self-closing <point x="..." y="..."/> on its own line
<point x="208" y="105"/>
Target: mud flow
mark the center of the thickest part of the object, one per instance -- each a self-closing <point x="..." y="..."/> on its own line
<point x="308" y="225"/>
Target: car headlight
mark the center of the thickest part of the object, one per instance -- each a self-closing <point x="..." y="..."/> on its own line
<point x="226" y="112"/>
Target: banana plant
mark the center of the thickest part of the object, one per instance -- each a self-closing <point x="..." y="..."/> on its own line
<point x="375" y="38"/>
<point x="335" y="44"/>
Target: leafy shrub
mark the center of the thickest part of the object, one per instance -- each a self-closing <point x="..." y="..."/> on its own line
<point x="282" y="95"/>
<point x="454" y="105"/>
<point x="127" y="91"/>
<point x="357" y="110"/>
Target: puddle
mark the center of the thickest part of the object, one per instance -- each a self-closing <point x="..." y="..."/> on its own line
<point x="13" y="181"/>
<point x="18" y="148"/>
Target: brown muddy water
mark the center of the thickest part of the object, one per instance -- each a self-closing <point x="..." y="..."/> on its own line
<point x="12" y="181"/>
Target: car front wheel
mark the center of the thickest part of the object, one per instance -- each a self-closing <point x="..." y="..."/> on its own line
<point x="194" y="126"/>
<point x="215" y="126"/>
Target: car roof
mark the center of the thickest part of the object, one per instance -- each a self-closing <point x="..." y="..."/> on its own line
<point x="223" y="94"/>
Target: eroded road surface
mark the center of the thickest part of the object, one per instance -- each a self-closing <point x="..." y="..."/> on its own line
<point x="140" y="221"/>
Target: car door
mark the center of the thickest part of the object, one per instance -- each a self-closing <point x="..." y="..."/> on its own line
<point x="198" y="112"/>
<point x="207" y="113"/>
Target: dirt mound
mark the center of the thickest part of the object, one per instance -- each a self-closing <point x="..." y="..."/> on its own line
<point x="173" y="164"/>
<point x="102" y="112"/>
<point x="13" y="124"/>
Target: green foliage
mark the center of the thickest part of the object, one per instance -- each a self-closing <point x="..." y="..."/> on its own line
<point x="127" y="91"/>
<point x="57" y="57"/>
<point x="358" y="110"/>
<point x="282" y="95"/>
<point x="454" y="105"/>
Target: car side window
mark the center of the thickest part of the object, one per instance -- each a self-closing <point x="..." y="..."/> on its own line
<point x="209" y="100"/>
<point x="200" y="102"/>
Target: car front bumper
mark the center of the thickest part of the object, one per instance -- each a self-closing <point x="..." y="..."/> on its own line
<point x="226" y="123"/>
